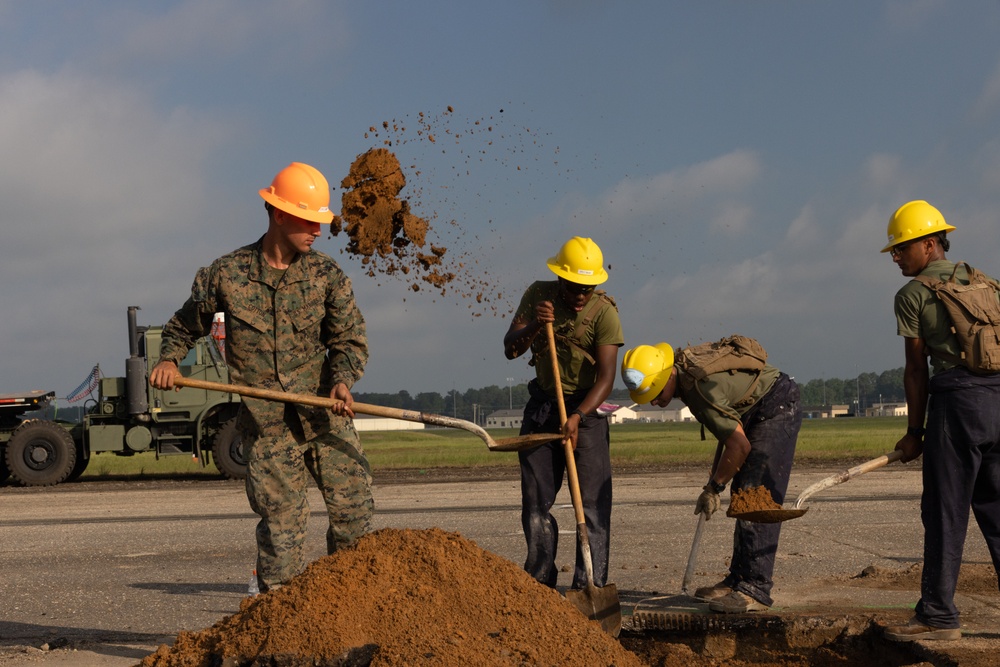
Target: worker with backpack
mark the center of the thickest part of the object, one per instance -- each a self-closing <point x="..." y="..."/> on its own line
<point x="951" y="313"/>
<point x="753" y="411"/>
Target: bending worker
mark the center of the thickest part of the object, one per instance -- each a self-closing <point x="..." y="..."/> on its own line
<point x="755" y="415"/>
<point x="291" y="325"/>
<point x="588" y="334"/>
<point x="961" y="440"/>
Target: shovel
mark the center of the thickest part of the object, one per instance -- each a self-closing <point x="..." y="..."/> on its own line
<point x="597" y="604"/>
<point x="693" y="556"/>
<point x="501" y="445"/>
<point x="774" y="516"/>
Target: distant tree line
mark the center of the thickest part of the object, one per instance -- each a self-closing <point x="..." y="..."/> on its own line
<point x="865" y="390"/>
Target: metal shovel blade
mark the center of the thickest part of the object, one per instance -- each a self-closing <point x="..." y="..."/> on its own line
<point x="519" y="442"/>
<point x="599" y="604"/>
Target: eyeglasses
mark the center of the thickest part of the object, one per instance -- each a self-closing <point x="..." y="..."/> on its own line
<point x="897" y="250"/>
<point x="575" y="288"/>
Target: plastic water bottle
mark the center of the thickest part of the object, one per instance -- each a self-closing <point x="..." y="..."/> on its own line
<point x="253" y="589"/>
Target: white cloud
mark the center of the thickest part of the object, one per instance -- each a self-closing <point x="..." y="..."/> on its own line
<point x="104" y="197"/>
<point x="275" y="36"/>
<point x="882" y="171"/>
<point x="913" y="14"/>
<point x="803" y="230"/>
<point x="988" y="102"/>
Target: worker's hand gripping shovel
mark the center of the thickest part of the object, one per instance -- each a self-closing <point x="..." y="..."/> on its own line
<point x="598" y="604"/>
<point x="502" y="445"/>
<point x="777" y="515"/>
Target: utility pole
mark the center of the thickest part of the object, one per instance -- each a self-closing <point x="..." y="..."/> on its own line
<point x="510" y="394"/>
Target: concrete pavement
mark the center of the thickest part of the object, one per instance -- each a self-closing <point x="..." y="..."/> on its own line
<point x="103" y="572"/>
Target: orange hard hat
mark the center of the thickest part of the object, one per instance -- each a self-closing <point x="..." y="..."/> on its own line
<point x="302" y="191"/>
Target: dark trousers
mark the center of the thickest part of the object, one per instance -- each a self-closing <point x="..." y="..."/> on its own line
<point x="961" y="469"/>
<point x="542" y="471"/>
<point x="773" y="429"/>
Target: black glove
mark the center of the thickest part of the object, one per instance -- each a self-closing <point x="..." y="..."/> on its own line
<point x="708" y="502"/>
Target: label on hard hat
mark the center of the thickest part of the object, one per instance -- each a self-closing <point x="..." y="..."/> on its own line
<point x="633" y="378"/>
<point x="584" y="272"/>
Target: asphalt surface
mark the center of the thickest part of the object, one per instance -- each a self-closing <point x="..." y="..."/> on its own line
<point x="98" y="574"/>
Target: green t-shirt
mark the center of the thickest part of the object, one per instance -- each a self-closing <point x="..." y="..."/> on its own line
<point x="712" y="402"/>
<point x="920" y="314"/>
<point x="576" y="372"/>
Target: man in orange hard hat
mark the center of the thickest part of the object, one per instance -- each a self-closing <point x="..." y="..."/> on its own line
<point x="291" y="325"/>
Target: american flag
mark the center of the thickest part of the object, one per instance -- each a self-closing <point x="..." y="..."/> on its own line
<point x="87" y="386"/>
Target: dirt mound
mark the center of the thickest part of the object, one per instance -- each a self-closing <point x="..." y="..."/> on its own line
<point x="972" y="578"/>
<point x="405" y="597"/>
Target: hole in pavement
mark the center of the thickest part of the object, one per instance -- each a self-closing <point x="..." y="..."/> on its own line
<point x="770" y="642"/>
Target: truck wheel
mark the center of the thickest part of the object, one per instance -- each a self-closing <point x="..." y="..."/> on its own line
<point x="227" y="452"/>
<point x="40" y="453"/>
<point x="81" y="465"/>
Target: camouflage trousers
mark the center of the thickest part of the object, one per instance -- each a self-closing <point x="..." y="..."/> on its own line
<point x="278" y="467"/>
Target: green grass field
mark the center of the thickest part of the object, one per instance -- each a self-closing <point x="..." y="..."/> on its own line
<point x="827" y="440"/>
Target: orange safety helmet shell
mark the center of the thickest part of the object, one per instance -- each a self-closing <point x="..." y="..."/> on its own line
<point x="580" y="261"/>
<point x="914" y="220"/>
<point x="646" y="370"/>
<point x="302" y="191"/>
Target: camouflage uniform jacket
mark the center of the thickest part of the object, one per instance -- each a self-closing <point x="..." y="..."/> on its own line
<point x="302" y="334"/>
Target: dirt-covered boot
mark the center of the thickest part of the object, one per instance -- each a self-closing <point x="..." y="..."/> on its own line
<point x="709" y="593"/>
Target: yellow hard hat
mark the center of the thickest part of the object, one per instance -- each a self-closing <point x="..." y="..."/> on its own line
<point x="646" y="369"/>
<point x="579" y="261"/>
<point x="302" y="191"/>
<point x="913" y="220"/>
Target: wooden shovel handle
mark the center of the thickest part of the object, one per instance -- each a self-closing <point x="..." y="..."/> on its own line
<point x="324" y="402"/>
<point x="842" y="477"/>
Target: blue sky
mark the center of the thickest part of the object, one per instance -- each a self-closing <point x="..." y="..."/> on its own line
<point x="737" y="162"/>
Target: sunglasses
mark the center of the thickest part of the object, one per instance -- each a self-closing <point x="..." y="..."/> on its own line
<point x="575" y="288"/>
<point x="897" y="250"/>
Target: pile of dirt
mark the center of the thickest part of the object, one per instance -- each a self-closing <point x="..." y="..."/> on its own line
<point x="978" y="578"/>
<point x="404" y="597"/>
<point x="751" y="500"/>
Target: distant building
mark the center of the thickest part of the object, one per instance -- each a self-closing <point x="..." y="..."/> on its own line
<point x="675" y="411"/>
<point x="370" y="423"/>
<point x="887" y="410"/>
<point x="825" y="412"/>
<point x="505" y="419"/>
<point x="618" y="414"/>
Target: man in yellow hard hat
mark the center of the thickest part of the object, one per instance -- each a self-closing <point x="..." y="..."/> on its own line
<point x="961" y="439"/>
<point x="291" y="325"/>
<point x="754" y="413"/>
<point x="588" y="334"/>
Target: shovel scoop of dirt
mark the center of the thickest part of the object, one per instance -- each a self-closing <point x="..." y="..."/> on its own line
<point x="757" y="505"/>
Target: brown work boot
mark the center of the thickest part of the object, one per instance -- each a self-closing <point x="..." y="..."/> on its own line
<point x="709" y="593"/>
<point x="915" y="630"/>
<point x="736" y="603"/>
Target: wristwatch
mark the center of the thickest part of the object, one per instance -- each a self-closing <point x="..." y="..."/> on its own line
<point x="715" y="486"/>
<point x="917" y="431"/>
<point x="578" y="411"/>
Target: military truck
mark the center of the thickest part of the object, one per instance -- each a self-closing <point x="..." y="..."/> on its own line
<point x="127" y="417"/>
